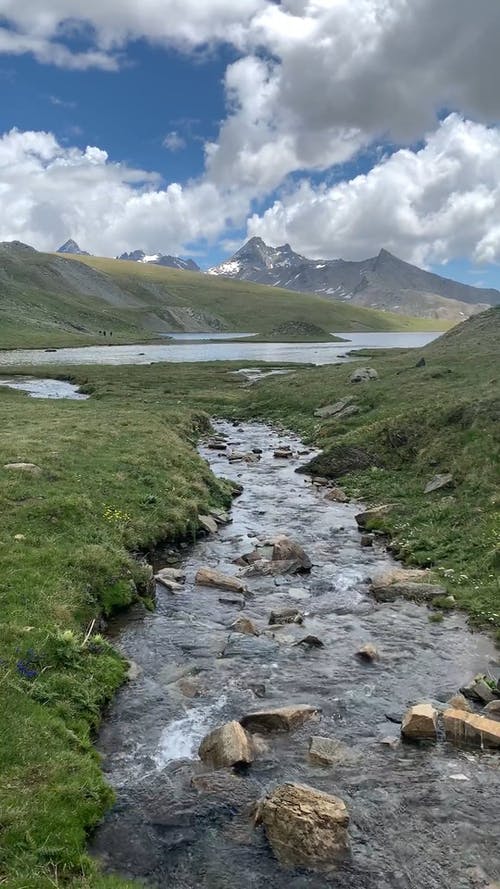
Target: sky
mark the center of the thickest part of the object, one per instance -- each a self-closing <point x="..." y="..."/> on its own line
<point x="187" y="126"/>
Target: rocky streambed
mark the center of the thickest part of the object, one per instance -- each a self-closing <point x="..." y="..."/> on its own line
<point x="421" y="816"/>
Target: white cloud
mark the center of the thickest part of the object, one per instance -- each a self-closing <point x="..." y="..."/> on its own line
<point x="49" y="193"/>
<point x="35" y="25"/>
<point x="429" y="205"/>
<point x="338" y="75"/>
<point x="173" y="141"/>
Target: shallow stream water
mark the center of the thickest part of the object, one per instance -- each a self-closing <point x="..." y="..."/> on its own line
<point x="421" y="817"/>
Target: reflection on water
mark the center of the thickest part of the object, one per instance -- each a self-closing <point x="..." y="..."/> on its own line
<point x="277" y="353"/>
<point x="421" y="817"/>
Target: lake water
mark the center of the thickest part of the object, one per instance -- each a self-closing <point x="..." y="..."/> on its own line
<point x="276" y="353"/>
<point x="36" y="388"/>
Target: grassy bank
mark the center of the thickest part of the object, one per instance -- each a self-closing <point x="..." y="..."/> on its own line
<point x="114" y="476"/>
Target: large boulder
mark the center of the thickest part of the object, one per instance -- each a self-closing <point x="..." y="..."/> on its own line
<point x="281" y="719"/>
<point x="420" y="723"/>
<point x="227" y="746"/>
<point x="305" y="827"/>
<point x="471" y="730"/>
<point x="213" y="578"/>
<point x="363" y="375"/>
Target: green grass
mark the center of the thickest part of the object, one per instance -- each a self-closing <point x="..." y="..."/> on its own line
<point x="116" y="476"/>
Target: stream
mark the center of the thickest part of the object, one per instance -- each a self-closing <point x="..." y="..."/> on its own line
<point x="422" y="817"/>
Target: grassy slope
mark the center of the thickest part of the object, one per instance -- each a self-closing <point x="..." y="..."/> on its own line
<point x="115" y="475"/>
<point x="48" y="300"/>
<point x="244" y="306"/>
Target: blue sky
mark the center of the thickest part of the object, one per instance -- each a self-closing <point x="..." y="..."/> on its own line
<point x="250" y="117"/>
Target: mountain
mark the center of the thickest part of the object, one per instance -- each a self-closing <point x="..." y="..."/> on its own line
<point x="52" y="300"/>
<point x="71" y="246"/>
<point x="382" y="282"/>
<point x="171" y="262"/>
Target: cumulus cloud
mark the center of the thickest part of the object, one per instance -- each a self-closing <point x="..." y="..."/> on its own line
<point x="427" y="205"/>
<point x="36" y="24"/>
<point x="49" y="192"/>
<point x="337" y="75"/>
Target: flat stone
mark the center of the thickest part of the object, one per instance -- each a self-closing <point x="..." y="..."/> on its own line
<point x="31" y="468"/>
<point x="337" y="495"/>
<point x="363" y="375"/>
<point x="369" y="516"/>
<point x="310" y="642"/>
<point x="305" y="827"/>
<point x="176" y="574"/>
<point x="208" y="523"/>
<point x="471" y="730"/>
<point x="492" y="709"/>
<point x="134" y="671"/>
<point x="328" y="751"/>
<point x="367" y="540"/>
<point x="420" y="723"/>
<point x="282" y="454"/>
<point x="246" y="626"/>
<point x="459" y="702"/>
<point x="237" y="601"/>
<point x="171" y="585"/>
<point x="286" y="616"/>
<point x="478" y="690"/>
<point x="213" y="578"/>
<point x="443" y="480"/>
<point x="220" y="516"/>
<point x="227" y="746"/>
<point x="281" y="719"/>
<point x="415" y="592"/>
<point x="329" y="410"/>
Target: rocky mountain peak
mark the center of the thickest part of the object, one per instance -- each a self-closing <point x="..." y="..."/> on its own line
<point x="70" y="246"/>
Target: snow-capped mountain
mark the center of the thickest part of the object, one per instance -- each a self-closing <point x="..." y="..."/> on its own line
<point x="380" y="282"/>
<point x="172" y="262"/>
<point x="70" y="246"/>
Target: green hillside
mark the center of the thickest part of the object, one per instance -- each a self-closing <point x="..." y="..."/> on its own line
<point x="51" y="300"/>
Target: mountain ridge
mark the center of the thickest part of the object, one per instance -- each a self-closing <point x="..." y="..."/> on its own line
<point x="382" y="282"/>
